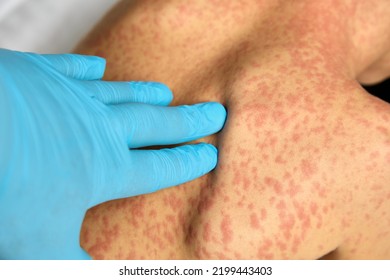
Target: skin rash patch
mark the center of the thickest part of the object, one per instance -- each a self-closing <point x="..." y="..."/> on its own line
<point x="297" y="137"/>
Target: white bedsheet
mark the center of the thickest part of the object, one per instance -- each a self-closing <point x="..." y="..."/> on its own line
<point x="48" y="26"/>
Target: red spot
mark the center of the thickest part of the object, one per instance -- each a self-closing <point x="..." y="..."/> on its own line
<point x="319" y="222"/>
<point x="296" y="244"/>
<point x="246" y="183"/>
<point x="376" y="188"/>
<point x="287" y="175"/>
<point x="345" y="223"/>
<point x="269" y="256"/>
<point x="281" y="205"/>
<point x="287" y="222"/>
<point x="207" y="232"/>
<point x="273" y="141"/>
<point x="254" y="171"/>
<point x="170" y="219"/>
<point x="308" y="168"/>
<point x="264" y="250"/>
<point x="296" y="137"/>
<point x="388" y="158"/>
<point x="293" y="188"/>
<point x="255" y="224"/>
<point x="205" y="204"/>
<point x="325" y="209"/>
<point x="221" y="256"/>
<point x="240" y="177"/>
<point x="226" y="229"/>
<point x="173" y="202"/>
<point x="169" y="237"/>
<point x="321" y="191"/>
<point x="313" y="208"/>
<point x="280" y="160"/>
<point x="374" y="155"/>
<point x="152" y="213"/>
<point x="106" y="222"/>
<point x="263" y="214"/>
<point x="303" y="216"/>
<point x="137" y="208"/>
<point x="132" y="255"/>
<point x="282" y="245"/>
<point x="277" y="186"/>
<point x="243" y="152"/>
<point x="383" y="130"/>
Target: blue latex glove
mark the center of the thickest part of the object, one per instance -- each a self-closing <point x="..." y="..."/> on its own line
<point x="67" y="143"/>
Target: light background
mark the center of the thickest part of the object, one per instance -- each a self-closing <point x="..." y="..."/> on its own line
<point x="48" y="26"/>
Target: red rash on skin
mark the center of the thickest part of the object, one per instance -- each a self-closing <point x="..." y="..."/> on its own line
<point x="287" y="222"/>
<point x="226" y="230"/>
<point x="254" y="220"/>
<point x="173" y="202"/>
<point x="277" y="186"/>
<point x="152" y="214"/>
<point x="300" y="146"/>
<point x="207" y="232"/>
<point x="308" y="168"/>
<point x="265" y="250"/>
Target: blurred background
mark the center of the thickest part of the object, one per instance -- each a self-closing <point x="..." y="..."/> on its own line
<point x="48" y="26"/>
<point x="56" y="26"/>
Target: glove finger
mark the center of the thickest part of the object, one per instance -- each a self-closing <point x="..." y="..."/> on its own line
<point x="81" y="67"/>
<point x="129" y="92"/>
<point x="152" y="170"/>
<point x="146" y="125"/>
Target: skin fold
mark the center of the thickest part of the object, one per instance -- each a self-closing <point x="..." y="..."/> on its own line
<point x="304" y="157"/>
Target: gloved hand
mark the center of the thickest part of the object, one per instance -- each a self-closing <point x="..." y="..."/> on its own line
<point x="67" y="143"/>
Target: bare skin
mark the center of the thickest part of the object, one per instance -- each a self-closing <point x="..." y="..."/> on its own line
<point x="304" y="158"/>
